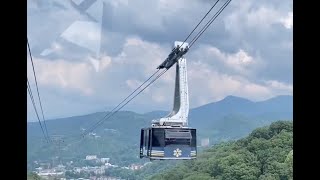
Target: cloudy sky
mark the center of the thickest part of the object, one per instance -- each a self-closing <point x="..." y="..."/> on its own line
<point x="90" y="54"/>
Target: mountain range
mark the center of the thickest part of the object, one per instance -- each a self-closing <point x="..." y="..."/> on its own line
<point x="228" y="119"/>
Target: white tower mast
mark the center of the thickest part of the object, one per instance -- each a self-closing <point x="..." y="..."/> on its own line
<point x="178" y="117"/>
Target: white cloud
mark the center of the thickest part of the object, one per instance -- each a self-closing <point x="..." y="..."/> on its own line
<point x="215" y="85"/>
<point x="138" y="55"/>
<point x="256" y="91"/>
<point x="133" y="84"/>
<point x="240" y="58"/>
<point x="246" y="17"/>
<point x="100" y="64"/>
<point x="262" y="17"/>
<point x="239" y="62"/>
<point x="232" y="60"/>
<point x="287" y="21"/>
<point x="63" y="74"/>
<point x="141" y="53"/>
<point x="280" y="86"/>
<point x="287" y="45"/>
<point x="159" y="98"/>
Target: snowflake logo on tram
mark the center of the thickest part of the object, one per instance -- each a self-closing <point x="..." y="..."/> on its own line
<point x="177" y="152"/>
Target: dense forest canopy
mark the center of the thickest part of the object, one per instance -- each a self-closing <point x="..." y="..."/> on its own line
<point x="266" y="154"/>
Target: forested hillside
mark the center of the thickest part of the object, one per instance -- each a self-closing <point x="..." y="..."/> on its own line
<point x="266" y="154"/>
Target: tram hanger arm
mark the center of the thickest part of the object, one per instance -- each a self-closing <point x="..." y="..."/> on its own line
<point x="173" y="57"/>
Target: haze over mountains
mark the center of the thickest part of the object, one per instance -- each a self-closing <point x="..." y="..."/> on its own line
<point x="228" y="119"/>
<point x="229" y="113"/>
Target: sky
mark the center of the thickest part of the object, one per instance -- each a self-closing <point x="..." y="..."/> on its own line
<point x="91" y="54"/>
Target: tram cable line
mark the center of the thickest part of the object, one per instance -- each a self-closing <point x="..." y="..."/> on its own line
<point x="111" y="113"/>
<point x="35" y="109"/>
<point x="175" y="57"/>
<point x="36" y="82"/>
<point x="209" y="23"/>
<point x="101" y="119"/>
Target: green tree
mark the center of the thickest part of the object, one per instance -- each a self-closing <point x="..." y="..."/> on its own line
<point x="266" y="154"/>
<point x="289" y="164"/>
<point x="269" y="176"/>
<point x="262" y="132"/>
<point x="198" y="176"/>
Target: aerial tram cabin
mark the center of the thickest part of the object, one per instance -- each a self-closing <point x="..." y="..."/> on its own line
<point x="170" y="137"/>
<point x="168" y="143"/>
